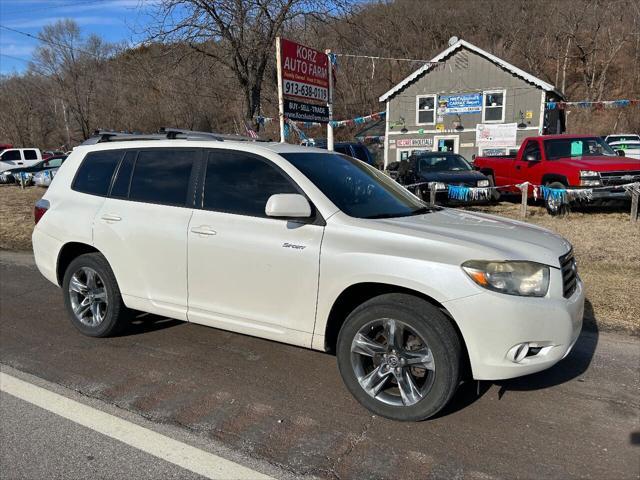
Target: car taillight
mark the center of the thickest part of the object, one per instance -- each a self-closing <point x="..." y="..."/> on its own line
<point x="40" y="209"/>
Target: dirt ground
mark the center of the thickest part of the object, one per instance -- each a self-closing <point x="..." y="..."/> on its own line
<point x="607" y="248"/>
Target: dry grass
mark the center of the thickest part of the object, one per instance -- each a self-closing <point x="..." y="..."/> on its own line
<point x="16" y="212"/>
<point x="607" y="248"/>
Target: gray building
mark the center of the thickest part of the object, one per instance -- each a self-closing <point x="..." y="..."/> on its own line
<point x="467" y="101"/>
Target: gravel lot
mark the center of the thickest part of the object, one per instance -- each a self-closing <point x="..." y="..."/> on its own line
<point x="607" y="248"/>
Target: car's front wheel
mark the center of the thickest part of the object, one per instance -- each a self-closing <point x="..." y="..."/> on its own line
<point x="92" y="296"/>
<point x="400" y="357"/>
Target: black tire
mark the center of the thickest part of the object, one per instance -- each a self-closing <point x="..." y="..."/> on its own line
<point x="116" y="315"/>
<point x="494" y="196"/>
<point x="437" y="332"/>
<point x="553" y="208"/>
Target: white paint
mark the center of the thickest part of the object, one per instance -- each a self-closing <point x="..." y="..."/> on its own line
<point x="190" y="458"/>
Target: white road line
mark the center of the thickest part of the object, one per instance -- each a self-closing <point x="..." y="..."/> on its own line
<point x="161" y="446"/>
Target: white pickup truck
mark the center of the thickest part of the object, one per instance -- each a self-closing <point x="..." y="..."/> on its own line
<point x="19" y="157"/>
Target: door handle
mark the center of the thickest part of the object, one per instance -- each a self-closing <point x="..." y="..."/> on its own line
<point x="109" y="217"/>
<point x="517" y="167"/>
<point x="203" y="230"/>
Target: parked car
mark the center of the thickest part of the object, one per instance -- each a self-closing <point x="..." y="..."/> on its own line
<point x="10" y="175"/>
<point x="311" y="248"/>
<point x="43" y="178"/>
<point x="622" y="137"/>
<point x="441" y="168"/>
<point x="563" y="161"/>
<point x="52" y="153"/>
<point x="630" y="148"/>
<point x="19" y="157"/>
<point x="353" y="149"/>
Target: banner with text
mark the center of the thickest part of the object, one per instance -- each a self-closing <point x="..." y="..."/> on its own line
<point x="496" y="135"/>
<point x="306" y="112"/>
<point x="305" y="72"/>
<point x="461" y="104"/>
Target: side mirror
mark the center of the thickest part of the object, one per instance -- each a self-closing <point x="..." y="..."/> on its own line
<point x="530" y="157"/>
<point x="620" y="153"/>
<point x="289" y="205"/>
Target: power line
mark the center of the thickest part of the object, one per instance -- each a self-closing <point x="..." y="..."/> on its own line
<point x="51" y="7"/>
<point x="15" y="58"/>
<point x="370" y="57"/>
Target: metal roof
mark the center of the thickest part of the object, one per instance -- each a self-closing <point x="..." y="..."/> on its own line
<point x="464" y="44"/>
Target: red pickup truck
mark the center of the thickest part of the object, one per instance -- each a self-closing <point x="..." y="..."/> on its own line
<point x="561" y="161"/>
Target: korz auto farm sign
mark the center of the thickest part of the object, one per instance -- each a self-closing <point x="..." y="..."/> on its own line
<point x="305" y="72"/>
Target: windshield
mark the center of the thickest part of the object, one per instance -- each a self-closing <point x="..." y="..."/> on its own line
<point x="442" y="163"/>
<point x="356" y="188"/>
<point x="577" y="147"/>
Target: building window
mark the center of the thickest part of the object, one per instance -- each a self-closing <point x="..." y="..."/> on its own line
<point x="493" y="106"/>
<point x="425" y="109"/>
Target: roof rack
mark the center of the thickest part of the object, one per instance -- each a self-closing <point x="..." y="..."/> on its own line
<point x="165" y="133"/>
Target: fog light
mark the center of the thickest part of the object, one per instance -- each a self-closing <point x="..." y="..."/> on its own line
<point x="518" y="352"/>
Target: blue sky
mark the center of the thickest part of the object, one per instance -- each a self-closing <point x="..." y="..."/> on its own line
<point x="113" y="20"/>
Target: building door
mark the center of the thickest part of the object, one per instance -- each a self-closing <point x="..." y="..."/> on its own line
<point x="446" y="143"/>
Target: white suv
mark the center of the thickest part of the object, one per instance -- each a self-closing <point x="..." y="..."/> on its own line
<point x="311" y="248"/>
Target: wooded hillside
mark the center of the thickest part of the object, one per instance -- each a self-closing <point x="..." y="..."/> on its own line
<point x="212" y="65"/>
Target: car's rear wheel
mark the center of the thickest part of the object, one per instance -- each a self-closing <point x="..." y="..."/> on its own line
<point x="400" y="357"/>
<point x="92" y="296"/>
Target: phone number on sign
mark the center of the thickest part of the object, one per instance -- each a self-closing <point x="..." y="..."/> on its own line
<point x="303" y="90"/>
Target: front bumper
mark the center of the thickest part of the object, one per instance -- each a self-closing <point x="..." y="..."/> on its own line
<point x="610" y="193"/>
<point x="492" y="324"/>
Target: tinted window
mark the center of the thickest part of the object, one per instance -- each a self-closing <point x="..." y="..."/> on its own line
<point x="30" y="155"/>
<point x="120" y="187"/>
<point x="344" y="149"/>
<point x="442" y="163"/>
<point x="11" y="155"/>
<point x="94" y="175"/>
<point x="361" y="153"/>
<point x="356" y="188"/>
<point x="241" y="184"/>
<point x="162" y="176"/>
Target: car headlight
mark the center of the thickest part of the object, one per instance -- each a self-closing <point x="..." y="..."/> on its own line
<point x="483" y="183"/>
<point x="589" y="178"/>
<point x="527" y="279"/>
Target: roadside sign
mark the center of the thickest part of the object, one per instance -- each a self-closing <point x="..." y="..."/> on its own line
<point x="304" y="74"/>
<point x="305" y="71"/>
<point x="306" y="112"/>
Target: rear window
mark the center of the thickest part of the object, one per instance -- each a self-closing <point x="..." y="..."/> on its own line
<point x="361" y="153"/>
<point x="162" y="176"/>
<point x="94" y="175"/>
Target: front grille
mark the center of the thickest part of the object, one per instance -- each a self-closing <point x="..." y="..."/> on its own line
<point x="620" y="178"/>
<point x="569" y="271"/>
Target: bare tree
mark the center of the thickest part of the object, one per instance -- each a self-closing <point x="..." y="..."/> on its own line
<point x="239" y="34"/>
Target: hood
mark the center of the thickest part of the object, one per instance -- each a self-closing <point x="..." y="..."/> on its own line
<point x="471" y="235"/>
<point x="453" y="177"/>
<point x="604" y="163"/>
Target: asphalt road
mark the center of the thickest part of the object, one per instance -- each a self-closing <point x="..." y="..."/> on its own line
<point x="287" y="406"/>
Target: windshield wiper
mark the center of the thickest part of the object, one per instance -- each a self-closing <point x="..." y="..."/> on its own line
<point x="418" y="211"/>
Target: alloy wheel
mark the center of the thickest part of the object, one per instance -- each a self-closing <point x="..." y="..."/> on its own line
<point x="392" y="362"/>
<point x="88" y="295"/>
